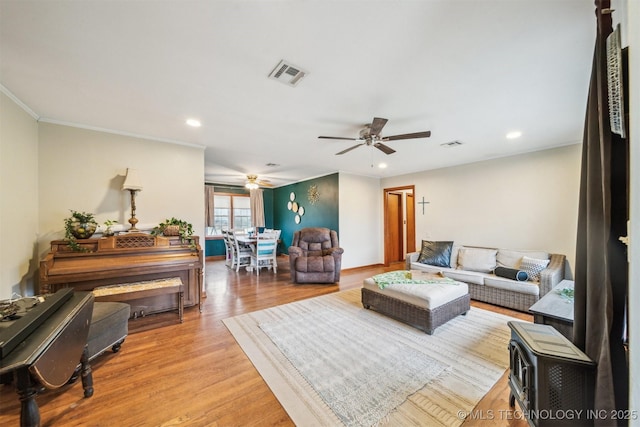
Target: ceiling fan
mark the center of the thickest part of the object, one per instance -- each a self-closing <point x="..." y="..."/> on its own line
<point x="253" y="182"/>
<point x="370" y="136"/>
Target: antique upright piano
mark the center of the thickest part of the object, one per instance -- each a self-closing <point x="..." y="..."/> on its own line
<point x="126" y="258"/>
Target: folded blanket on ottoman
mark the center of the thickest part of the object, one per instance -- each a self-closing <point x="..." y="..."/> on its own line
<point x="403" y="276"/>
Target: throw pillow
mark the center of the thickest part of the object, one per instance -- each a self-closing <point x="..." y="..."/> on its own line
<point x="512" y="273"/>
<point x="435" y="253"/>
<point x="533" y="267"/>
<point x="477" y="259"/>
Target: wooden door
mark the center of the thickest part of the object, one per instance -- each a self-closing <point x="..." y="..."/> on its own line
<point x="393" y="233"/>
<point x="394" y="223"/>
<point x="411" y="224"/>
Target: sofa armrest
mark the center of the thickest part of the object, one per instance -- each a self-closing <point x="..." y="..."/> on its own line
<point x="333" y="251"/>
<point x="411" y="257"/>
<point x="295" y="251"/>
<point x="553" y="274"/>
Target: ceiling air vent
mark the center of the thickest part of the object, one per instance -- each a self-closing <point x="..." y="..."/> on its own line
<point x="451" y="144"/>
<point x="287" y="73"/>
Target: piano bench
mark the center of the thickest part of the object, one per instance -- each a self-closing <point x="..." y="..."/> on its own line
<point x="109" y="327"/>
<point x="149" y="288"/>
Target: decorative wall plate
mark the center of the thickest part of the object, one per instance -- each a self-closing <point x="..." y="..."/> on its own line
<point x="292" y="196"/>
<point x="301" y="210"/>
<point x="289" y="205"/>
<point x="297" y="219"/>
<point x="294" y="207"/>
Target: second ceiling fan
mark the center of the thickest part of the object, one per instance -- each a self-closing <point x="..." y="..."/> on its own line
<point x="370" y="136"/>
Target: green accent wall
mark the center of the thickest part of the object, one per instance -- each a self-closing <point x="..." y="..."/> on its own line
<point x="276" y="214"/>
<point x="323" y="213"/>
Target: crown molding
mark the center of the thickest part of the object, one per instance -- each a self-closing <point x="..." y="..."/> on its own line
<point x="21" y="104"/>
<point x="121" y="133"/>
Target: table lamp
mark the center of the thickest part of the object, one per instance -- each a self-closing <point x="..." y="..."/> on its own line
<point x="133" y="185"/>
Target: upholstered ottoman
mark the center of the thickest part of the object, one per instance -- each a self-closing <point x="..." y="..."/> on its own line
<point x="109" y="327"/>
<point x="425" y="301"/>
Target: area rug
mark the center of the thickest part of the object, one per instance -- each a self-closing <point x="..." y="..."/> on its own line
<point x="330" y="362"/>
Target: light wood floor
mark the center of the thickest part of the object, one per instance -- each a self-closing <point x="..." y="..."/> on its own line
<point x="194" y="374"/>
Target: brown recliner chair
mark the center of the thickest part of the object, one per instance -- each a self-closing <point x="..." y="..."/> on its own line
<point x="315" y="256"/>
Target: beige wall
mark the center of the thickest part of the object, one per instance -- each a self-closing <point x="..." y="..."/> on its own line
<point x="84" y="170"/>
<point x="520" y="202"/>
<point x="19" y="200"/>
<point x="360" y="216"/>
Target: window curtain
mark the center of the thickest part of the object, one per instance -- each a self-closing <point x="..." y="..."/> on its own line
<point x="601" y="271"/>
<point x="209" y="191"/>
<point x="257" y="207"/>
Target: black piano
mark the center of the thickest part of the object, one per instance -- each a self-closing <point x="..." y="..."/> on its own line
<point x="44" y="346"/>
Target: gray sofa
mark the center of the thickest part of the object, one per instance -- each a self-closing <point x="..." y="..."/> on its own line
<point x="477" y="266"/>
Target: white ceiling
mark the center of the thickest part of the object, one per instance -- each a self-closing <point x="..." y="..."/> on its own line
<point x="466" y="70"/>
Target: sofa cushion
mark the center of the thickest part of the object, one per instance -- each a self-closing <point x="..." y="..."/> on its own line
<point x="477" y="259"/>
<point x="428" y="268"/>
<point x="512" y="273"/>
<point x="533" y="267"/>
<point x="512" y="258"/>
<point x="435" y="253"/>
<point x="473" y="277"/>
<point x="511" y="285"/>
<point x="315" y="264"/>
<point x="454" y="255"/>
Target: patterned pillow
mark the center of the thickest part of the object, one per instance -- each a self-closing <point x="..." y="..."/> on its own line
<point x="435" y="253"/>
<point x="533" y="267"/>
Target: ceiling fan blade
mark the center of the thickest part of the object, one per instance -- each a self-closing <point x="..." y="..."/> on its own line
<point x="264" y="184"/>
<point x="349" y="149"/>
<point x="377" y="125"/>
<point x="425" y="134"/>
<point x="385" y="149"/>
<point x="337" y="137"/>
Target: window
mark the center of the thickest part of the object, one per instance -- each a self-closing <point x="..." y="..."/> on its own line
<point x="230" y="211"/>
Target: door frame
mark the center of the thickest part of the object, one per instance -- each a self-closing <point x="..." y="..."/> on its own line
<point x="386" y="232"/>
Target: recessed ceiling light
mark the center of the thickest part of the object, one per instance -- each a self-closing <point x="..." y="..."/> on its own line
<point x="515" y="134"/>
<point x="382" y="165"/>
<point x="194" y="122"/>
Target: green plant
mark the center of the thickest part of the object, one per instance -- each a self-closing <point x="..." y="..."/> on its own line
<point x="567" y="293"/>
<point x="185" y="230"/>
<point x="71" y="229"/>
<point x="108" y="224"/>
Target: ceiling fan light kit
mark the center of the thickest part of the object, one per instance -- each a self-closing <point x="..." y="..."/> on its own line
<point x="370" y="136"/>
<point x="254" y="183"/>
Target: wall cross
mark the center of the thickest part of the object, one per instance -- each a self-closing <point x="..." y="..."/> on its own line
<point x="423" y="203"/>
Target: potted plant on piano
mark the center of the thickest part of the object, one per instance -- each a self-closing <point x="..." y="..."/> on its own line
<point x="80" y="225"/>
<point x="108" y="230"/>
<point x="176" y="227"/>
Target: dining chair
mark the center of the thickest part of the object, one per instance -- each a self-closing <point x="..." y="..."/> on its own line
<point x="242" y="252"/>
<point x="264" y="253"/>
<point x="228" y="247"/>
